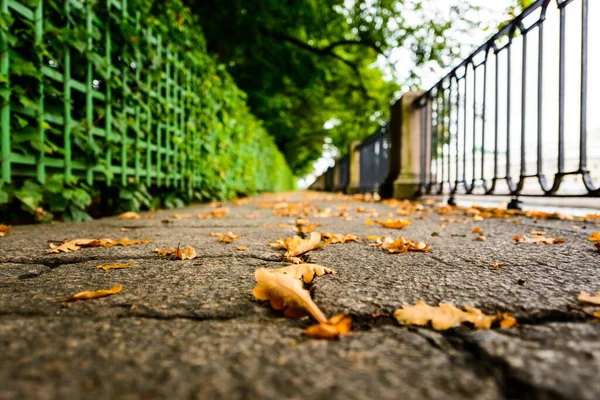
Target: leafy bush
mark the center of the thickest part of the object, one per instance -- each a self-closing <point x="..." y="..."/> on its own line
<point x="154" y="120"/>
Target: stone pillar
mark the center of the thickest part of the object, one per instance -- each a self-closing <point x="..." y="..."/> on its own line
<point x="405" y="149"/>
<point x="353" y="169"/>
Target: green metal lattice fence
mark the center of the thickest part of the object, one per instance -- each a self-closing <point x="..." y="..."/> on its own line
<point x="90" y="90"/>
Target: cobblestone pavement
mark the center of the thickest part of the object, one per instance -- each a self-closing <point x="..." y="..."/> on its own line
<point x="192" y="329"/>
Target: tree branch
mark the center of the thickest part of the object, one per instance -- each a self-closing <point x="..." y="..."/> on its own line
<point x="328" y="51"/>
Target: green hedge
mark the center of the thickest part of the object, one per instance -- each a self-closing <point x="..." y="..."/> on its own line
<point x="120" y="98"/>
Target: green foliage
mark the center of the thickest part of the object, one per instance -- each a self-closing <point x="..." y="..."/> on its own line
<point x="304" y="63"/>
<point x="149" y="108"/>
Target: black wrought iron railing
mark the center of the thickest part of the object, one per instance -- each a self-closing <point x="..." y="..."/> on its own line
<point x="512" y="118"/>
<point x="374" y="155"/>
<point x="342" y="167"/>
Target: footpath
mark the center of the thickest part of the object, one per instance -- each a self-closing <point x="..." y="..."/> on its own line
<point x="192" y="328"/>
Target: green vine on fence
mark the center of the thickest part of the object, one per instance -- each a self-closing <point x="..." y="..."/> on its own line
<point x="117" y="96"/>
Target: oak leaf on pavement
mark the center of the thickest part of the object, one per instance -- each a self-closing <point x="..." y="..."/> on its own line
<point x="92" y="295"/>
<point x="336" y="326"/>
<point x="286" y="293"/>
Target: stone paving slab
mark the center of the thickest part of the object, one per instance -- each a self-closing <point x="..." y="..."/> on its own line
<point x="192" y="329"/>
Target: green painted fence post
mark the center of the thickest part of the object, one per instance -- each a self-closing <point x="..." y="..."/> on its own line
<point x="39" y="37"/>
<point x="89" y="106"/>
<point x="5" y="112"/>
<point x="67" y="101"/>
<point x="108" y="101"/>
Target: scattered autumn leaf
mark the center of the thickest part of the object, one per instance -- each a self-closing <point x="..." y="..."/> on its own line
<point x="586" y="298"/>
<point x="182" y="216"/>
<point x="187" y="254"/>
<point x="166" y="221"/>
<point x="369" y="222"/>
<point x="595" y="237"/>
<point x="74" y="245"/>
<point x="336" y="326"/>
<point x="540" y="239"/>
<point x="4" y="229"/>
<point x="480" y="238"/>
<point x="92" y="295"/>
<point x="130" y="215"/>
<point x="497" y="265"/>
<point x="114" y="266"/>
<point x="395" y="224"/>
<point x="339" y="238"/>
<point x="435" y="234"/>
<point x="220" y="212"/>
<point x="296" y="246"/>
<point x="241" y="248"/>
<point x="402" y="245"/>
<point x="446" y="316"/>
<point x="305" y="271"/>
<point x="228" y="237"/>
<point x="477" y="229"/>
<point x="126" y="229"/>
<point x="286" y="293"/>
<point x="166" y="252"/>
<point x="252" y="215"/>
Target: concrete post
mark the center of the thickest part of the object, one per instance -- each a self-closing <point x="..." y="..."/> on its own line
<point x="353" y="168"/>
<point x="405" y="150"/>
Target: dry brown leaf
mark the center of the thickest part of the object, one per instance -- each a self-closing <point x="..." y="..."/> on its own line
<point x="435" y="234"/>
<point x="305" y="271"/>
<point x="286" y="293"/>
<point x="166" y="221"/>
<point x="339" y="238"/>
<point x="597" y="246"/>
<point x="74" y="245"/>
<point x="480" y="238"/>
<point x="241" y="248"/>
<point x="92" y="295"/>
<point x="336" y="326"/>
<point x="546" y="215"/>
<point x="539" y="239"/>
<point x="220" y="212"/>
<point x="497" y="265"/>
<point x="595" y="237"/>
<point x="126" y="229"/>
<point x="114" y="266"/>
<point x="182" y="216"/>
<point x="395" y="224"/>
<point x="586" y="298"/>
<point x="296" y="246"/>
<point x="187" y="254"/>
<point x="228" y="237"/>
<point x="4" y="229"/>
<point x="402" y="245"/>
<point x="477" y="229"/>
<point x="446" y="316"/>
<point x="507" y="321"/>
<point x="130" y="215"/>
<point x="166" y="252"/>
<point x="304" y="226"/>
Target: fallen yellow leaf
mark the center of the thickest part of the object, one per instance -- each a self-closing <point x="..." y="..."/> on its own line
<point x="241" y="248"/>
<point x="446" y="316"/>
<point x="74" y="245"/>
<point x="395" y="224"/>
<point x="182" y="216"/>
<point x="296" y="246"/>
<point x="339" y="238"/>
<point x="286" y="293"/>
<point x="130" y="215"/>
<point x="402" y="245"/>
<point x="586" y="298"/>
<point x="92" y="295"/>
<point x="187" y="254"/>
<point x="540" y="239"/>
<point x="480" y="238"/>
<point x="114" y="266"/>
<point x="336" y="326"/>
<point x="477" y="229"/>
<point x="305" y="271"/>
<point x="228" y="237"/>
<point x="594" y="238"/>
<point x="369" y="222"/>
<point x="4" y="229"/>
<point x="497" y="265"/>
